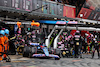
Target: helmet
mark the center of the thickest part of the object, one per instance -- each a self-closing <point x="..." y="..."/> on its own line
<point x="91" y="35"/>
<point x="33" y="32"/>
<point x="65" y="33"/>
<point x="6" y="31"/>
<point x="86" y="34"/>
<point x="95" y="36"/>
<point x="77" y="31"/>
<point x="29" y="33"/>
<point x="2" y="32"/>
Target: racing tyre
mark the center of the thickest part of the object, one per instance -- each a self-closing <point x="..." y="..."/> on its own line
<point x="58" y="52"/>
<point x="33" y="50"/>
<point x="26" y="51"/>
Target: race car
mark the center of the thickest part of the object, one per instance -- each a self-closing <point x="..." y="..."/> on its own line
<point x="39" y="50"/>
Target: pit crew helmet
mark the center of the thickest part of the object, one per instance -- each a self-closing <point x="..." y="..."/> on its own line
<point x="7" y="31"/>
<point x="2" y="32"/>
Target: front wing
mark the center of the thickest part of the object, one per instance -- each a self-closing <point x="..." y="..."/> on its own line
<point x="43" y="55"/>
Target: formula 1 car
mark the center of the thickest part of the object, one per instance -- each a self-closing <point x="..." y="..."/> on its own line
<point x="38" y="50"/>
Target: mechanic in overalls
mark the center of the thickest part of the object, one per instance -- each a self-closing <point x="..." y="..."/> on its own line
<point x="2" y="33"/>
<point x="77" y="42"/>
<point x="96" y="47"/>
<point x="6" y="44"/>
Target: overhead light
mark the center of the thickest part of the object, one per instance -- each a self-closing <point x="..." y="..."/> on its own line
<point x="88" y="23"/>
<point x="73" y="20"/>
<point x="62" y="19"/>
<point x="84" y="22"/>
<point x="55" y="18"/>
<point x="93" y="23"/>
<point x="81" y="15"/>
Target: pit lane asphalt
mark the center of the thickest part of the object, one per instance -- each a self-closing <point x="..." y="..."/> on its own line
<point x="19" y="61"/>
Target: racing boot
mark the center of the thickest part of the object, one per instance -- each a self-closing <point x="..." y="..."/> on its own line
<point x="92" y="55"/>
<point x="98" y="55"/>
